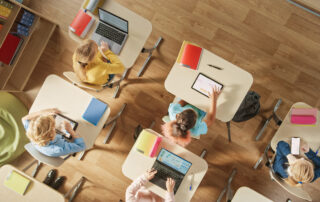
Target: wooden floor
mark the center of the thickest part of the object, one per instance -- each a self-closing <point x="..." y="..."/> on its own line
<point x="278" y="43"/>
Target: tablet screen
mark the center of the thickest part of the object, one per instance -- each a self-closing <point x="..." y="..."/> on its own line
<point x="60" y="122"/>
<point x="204" y="84"/>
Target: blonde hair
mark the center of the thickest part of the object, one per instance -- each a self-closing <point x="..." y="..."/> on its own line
<point x="301" y="171"/>
<point x="41" y="130"/>
<point x="82" y="56"/>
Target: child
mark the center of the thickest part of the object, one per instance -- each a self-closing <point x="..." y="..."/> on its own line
<point x="40" y="127"/>
<point x="136" y="192"/>
<point x="187" y="119"/>
<point x="93" y="64"/>
<point x="296" y="170"/>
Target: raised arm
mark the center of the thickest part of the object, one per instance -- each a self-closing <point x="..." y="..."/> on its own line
<point x="115" y="66"/>
<point x="211" y="115"/>
<point x="39" y="113"/>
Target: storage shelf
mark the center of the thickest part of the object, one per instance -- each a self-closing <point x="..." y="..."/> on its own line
<point x="8" y="24"/>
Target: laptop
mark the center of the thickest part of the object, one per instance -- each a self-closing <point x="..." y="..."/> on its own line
<point x="170" y="165"/>
<point x="111" y="29"/>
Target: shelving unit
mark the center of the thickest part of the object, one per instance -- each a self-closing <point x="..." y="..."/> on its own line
<point x="14" y="77"/>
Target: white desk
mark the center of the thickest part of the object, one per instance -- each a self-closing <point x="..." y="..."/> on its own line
<point x="136" y="164"/>
<point x="236" y="83"/>
<point x="37" y="191"/>
<point x="245" y="194"/>
<point x="72" y="102"/>
<point x="311" y="134"/>
<point x="139" y="31"/>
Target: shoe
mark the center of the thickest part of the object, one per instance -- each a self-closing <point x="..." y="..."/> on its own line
<point x="58" y="182"/>
<point x="50" y="177"/>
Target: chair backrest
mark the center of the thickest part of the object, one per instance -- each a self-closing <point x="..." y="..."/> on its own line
<point x="52" y="161"/>
<point x="76" y="81"/>
<point x="297" y="191"/>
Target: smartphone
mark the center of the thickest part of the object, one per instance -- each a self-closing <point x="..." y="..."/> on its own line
<point x="295" y="145"/>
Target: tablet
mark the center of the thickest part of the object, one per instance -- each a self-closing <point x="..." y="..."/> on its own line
<point x="204" y="84"/>
<point x="60" y="119"/>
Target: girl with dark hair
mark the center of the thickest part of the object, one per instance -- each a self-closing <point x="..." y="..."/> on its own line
<point x="186" y="119"/>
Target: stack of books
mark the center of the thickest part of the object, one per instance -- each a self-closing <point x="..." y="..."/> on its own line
<point x="81" y="24"/>
<point x="25" y="22"/>
<point x="148" y="143"/>
<point x="10" y="48"/>
<point x="5" y="9"/>
<point x="189" y="55"/>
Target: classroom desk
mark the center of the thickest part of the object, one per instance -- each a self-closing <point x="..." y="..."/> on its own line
<point x="245" y="194"/>
<point x="136" y="164"/>
<point x="72" y="102"/>
<point x="311" y="134"/>
<point x="37" y="191"/>
<point x="236" y="83"/>
<point x="139" y="31"/>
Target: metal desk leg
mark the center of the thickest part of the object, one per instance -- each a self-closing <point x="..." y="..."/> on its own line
<point x="28" y="166"/>
<point x="75" y="189"/>
<point x="227" y="189"/>
<point x="150" y="50"/>
<point x="81" y="155"/>
<point x="274" y="116"/>
<point x="118" y="83"/>
<point x="265" y="153"/>
<point x="36" y="169"/>
<point x="114" y="121"/>
<point x="229" y="132"/>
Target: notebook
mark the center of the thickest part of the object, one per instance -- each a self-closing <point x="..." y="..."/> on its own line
<point x="17" y="182"/>
<point x="147" y="143"/>
<point x="9" y="48"/>
<point x="304" y="116"/>
<point x="190" y="56"/>
<point x="94" y="111"/>
<point x="81" y="24"/>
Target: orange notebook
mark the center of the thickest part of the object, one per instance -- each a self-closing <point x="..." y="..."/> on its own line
<point x="191" y="56"/>
<point x="81" y="24"/>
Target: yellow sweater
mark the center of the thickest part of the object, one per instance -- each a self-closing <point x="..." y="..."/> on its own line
<point x="98" y="70"/>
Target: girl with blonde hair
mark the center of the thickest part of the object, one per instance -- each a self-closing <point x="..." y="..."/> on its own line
<point x="296" y="169"/>
<point x="96" y="65"/>
<point x="41" y="130"/>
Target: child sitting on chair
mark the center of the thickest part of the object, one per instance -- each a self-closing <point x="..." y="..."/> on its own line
<point x="96" y="65"/>
<point x="137" y="192"/>
<point x="186" y="119"/>
<point x="296" y="170"/>
<point x="40" y="127"/>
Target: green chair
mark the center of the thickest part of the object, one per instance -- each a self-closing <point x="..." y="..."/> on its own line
<point x="12" y="133"/>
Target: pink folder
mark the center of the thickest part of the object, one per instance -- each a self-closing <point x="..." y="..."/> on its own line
<point x="304" y="116"/>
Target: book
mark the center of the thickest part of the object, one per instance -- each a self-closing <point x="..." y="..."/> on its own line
<point x="190" y="56"/>
<point x="147" y="143"/>
<point x="5" y="9"/>
<point x="94" y="111"/>
<point x="304" y="116"/>
<point x="9" y="48"/>
<point x="17" y="182"/>
<point x="81" y="24"/>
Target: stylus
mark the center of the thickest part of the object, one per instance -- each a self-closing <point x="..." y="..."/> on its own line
<point x="210" y="65"/>
<point x="192" y="177"/>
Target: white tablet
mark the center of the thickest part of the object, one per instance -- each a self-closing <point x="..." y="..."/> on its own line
<point x="204" y="84"/>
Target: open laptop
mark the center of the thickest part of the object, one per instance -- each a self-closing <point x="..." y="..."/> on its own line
<point x="170" y="165"/>
<point x="111" y="29"/>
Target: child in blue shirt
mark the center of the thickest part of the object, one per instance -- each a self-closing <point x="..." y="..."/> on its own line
<point x="186" y="119"/>
<point x="296" y="170"/>
<point x="40" y="127"/>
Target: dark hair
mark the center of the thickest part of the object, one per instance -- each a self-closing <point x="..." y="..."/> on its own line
<point x="185" y="121"/>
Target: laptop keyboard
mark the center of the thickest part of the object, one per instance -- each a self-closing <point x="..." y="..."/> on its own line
<point x="110" y="33"/>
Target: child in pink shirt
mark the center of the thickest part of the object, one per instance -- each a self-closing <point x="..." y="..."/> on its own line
<point x="137" y="192"/>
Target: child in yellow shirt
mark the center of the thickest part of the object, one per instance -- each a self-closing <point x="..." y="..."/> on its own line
<point x="93" y="64"/>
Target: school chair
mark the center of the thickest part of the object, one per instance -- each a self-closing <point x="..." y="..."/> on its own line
<point x="227" y="189"/>
<point x="297" y="191"/>
<point x="77" y="82"/>
<point x="41" y="158"/>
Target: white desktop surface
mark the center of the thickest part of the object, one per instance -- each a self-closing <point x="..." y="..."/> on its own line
<point x="311" y="134"/>
<point x="245" y="194"/>
<point x="72" y="102"/>
<point x="138" y="32"/>
<point x="36" y="191"/>
<point x="236" y="81"/>
<point x="137" y="164"/>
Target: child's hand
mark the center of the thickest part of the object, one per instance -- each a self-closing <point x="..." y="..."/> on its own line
<point x="52" y="111"/>
<point x="291" y="159"/>
<point x="215" y="93"/>
<point x="170" y="185"/>
<point x="150" y="173"/>
<point x="104" y="46"/>
<point x="304" y="147"/>
<point x="67" y="126"/>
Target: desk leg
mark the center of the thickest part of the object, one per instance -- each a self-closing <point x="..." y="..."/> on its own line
<point x="265" y="153"/>
<point x="150" y="50"/>
<point x="227" y="189"/>
<point x="229" y="132"/>
<point x="81" y="155"/>
<point x="36" y="169"/>
<point x="118" y="83"/>
<point x="109" y="132"/>
<point x="75" y="189"/>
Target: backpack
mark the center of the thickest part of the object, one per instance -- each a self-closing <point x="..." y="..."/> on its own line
<point x="249" y="107"/>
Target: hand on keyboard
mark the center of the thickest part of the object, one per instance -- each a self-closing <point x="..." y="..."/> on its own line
<point x="170" y="184"/>
<point x="150" y="173"/>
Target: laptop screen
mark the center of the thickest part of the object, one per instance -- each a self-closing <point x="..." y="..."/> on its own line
<point x="170" y="159"/>
<point x="113" y="20"/>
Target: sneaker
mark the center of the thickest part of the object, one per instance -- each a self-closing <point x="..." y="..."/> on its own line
<point x="50" y="177"/>
<point x="58" y="182"/>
